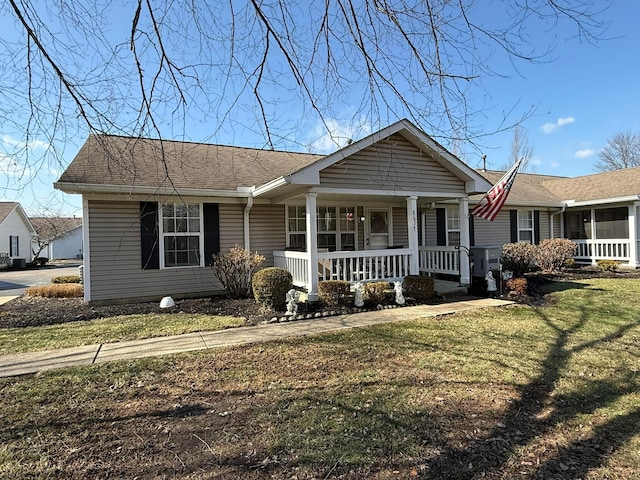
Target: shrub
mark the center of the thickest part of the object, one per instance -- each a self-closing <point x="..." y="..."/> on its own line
<point x="419" y="287"/>
<point x="333" y="292"/>
<point x="60" y="290"/>
<point x="569" y="263"/>
<point x="608" y="265"/>
<point x="42" y="261"/>
<point x="235" y="270"/>
<point x="373" y="293"/>
<point x="518" y="257"/>
<point x="517" y="286"/>
<point x="551" y="254"/>
<point x="270" y="287"/>
<point x="66" y="279"/>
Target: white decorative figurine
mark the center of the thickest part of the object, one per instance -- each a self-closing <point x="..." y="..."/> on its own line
<point x="292" y="302"/>
<point x="399" y="296"/>
<point x="491" y="282"/>
<point x="357" y="299"/>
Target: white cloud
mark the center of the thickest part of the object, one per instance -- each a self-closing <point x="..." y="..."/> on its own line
<point x="12" y="168"/>
<point x="550" y="127"/>
<point x="339" y="134"/>
<point x="554" y="164"/>
<point x="9" y="141"/>
<point x="587" y="152"/>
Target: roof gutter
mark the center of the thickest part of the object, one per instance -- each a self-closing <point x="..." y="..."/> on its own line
<point x="601" y="201"/>
<point x="272" y="185"/>
<point x="564" y="207"/>
<point x="132" y="190"/>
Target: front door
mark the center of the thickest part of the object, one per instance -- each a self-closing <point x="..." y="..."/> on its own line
<point x="378" y="229"/>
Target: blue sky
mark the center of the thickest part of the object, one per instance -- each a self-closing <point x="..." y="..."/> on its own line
<point x="582" y="95"/>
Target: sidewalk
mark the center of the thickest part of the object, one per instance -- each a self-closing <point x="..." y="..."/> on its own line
<point x="26" y="363"/>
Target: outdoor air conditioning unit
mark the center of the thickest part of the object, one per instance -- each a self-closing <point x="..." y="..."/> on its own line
<point x="484" y="259"/>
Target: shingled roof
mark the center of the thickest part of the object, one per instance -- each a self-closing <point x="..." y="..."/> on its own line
<point x="6" y="208"/>
<point x="137" y="162"/>
<point x="531" y="188"/>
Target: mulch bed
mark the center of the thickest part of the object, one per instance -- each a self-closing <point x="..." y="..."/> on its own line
<point x="34" y="311"/>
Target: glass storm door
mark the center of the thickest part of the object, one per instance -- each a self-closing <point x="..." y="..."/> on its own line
<point x="378" y="228"/>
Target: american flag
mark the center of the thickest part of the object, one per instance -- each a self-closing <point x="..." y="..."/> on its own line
<point x="496" y="197"/>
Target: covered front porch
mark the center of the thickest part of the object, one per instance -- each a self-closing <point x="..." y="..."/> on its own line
<point x="373" y="256"/>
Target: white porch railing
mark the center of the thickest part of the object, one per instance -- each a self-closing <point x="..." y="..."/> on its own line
<point x="610" y="249"/>
<point x="367" y="265"/>
<point x="444" y="260"/>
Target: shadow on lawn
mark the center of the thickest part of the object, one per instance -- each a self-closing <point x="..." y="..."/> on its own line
<point x="539" y="411"/>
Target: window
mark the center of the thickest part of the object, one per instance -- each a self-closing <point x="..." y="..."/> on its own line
<point x="297" y="226"/>
<point x="336" y="228"/>
<point x="525" y="226"/>
<point x="14" y="249"/>
<point x="453" y="227"/>
<point x="181" y="235"/>
<point x="578" y="224"/>
<point x="612" y="223"/>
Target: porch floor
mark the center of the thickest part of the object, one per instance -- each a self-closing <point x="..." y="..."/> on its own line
<point x="448" y="288"/>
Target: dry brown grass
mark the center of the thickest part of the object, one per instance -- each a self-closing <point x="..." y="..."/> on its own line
<point x="60" y="290"/>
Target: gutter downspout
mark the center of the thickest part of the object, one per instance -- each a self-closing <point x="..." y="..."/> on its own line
<point x="247" y="209"/>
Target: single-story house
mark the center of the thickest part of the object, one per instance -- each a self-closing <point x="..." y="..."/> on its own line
<point x="16" y="233"/>
<point x="391" y="204"/>
<point x="61" y="237"/>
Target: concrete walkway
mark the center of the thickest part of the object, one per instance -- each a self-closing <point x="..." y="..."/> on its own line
<point x="26" y="363"/>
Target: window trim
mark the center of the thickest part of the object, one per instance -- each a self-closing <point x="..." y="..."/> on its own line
<point x="14" y="251"/>
<point x="532" y="229"/>
<point x="337" y="232"/>
<point x="448" y="230"/>
<point x="162" y="235"/>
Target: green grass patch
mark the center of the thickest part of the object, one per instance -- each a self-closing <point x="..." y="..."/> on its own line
<point x="516" y="392"/>
<point x="107" y="330"/>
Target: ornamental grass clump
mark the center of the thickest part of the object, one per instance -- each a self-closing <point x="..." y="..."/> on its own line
<point x="66" y="279"/>
<point x="57" y="290"/>
<point x="270" y="287"/>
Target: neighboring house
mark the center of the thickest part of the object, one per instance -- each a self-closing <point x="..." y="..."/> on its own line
<point x="60" y="236"/>
<point x="16" y="232"/>
<point x="386" y="206"/>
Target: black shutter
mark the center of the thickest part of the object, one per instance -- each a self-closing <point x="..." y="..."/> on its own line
<point x="472" y="231"/>
<point x="536" y="227"/>
<point x="441" y="226"/>
<point x="149" y="236"/>
<point x="211" y="219"/>
<point x="513" y="216"/>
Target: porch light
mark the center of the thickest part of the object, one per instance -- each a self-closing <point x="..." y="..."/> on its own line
<point x="362" y="219"/>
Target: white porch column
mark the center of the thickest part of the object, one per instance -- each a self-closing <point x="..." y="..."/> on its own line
<point x="312" y="246"/>
<point x="465" y="241"/>
<point x="633" y="235"/>
<point x="412" y="228"/>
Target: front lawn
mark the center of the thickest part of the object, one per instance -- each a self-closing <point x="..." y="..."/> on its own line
<point x="521" y="392"/>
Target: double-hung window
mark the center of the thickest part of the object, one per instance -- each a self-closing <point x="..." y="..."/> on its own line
<point x="14" y="244"/>
<point x="525" y="226"/>
<point x="453" y="227"/>
<point x="181" y="235"/>
<point x="336" y="227"/>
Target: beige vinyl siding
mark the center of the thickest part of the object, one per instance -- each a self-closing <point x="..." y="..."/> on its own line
<point x="391" y="164"/>
<point x="431" y="227"/>
<point x="400" y="231"/>
<point x="544" y="225"/>
<point x="115" y="256"/>
<point x="267" y="230"/>
<point x="497" y="232"/>
<point x="231" y="226"/>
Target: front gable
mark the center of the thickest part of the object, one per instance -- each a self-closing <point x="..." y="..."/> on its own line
<point x="392" y="164"/>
